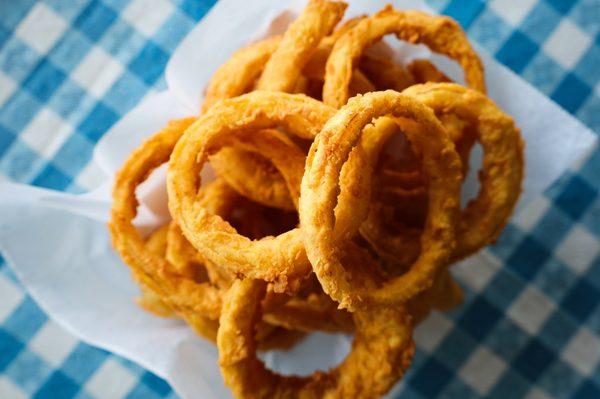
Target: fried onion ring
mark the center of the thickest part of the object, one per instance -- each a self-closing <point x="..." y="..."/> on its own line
<point x="381" y="352"/>
<point x="441" y="34"/>
<point x="282" y="259"/>
<point x="248" y="173"/>
<point x="212" y="235"/>
<point x="298" y="44"/>
<point x="243" y="67"/>
<point x="320" y="185"/>
<point x="501" y="177"/>
<point x="198" y="303"/>
<point x="183" y="294"/>
<point x="149" y="301"/>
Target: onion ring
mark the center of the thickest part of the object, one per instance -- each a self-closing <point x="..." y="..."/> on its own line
<point x="188" y="262"/>
<point x="382" y="333"/>
<point x="235" y="75"/>
<point x="282" y="259"/>
<point x="315" y="67"/>
<point x="502" y="173"/>
<point x="248" y="173"/>
<point x="443" y="295"/>
<point x="149" y="301"/>
<point x="501" y="177"/>
<point x="298" y="44"/>
<point x="198" y="303"/>
<point x="184" y="295"/>
<point x="127" y="240"/>
<point x="441" y="34"/>
<point x="319" y="187"/>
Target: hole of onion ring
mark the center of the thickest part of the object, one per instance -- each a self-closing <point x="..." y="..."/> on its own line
<point x="404" y="200"/>
<point x="398" y="151"/>
<point x="396" y="155"/>
<point x="470" y="187"/>
<point x="153" y="210"/>
<point x="256" y="221"/>
<point x="403" y="53"/>
<point x="158" y="246"/>
<point x="303" y="144"/>
<point x="318" y="351"/>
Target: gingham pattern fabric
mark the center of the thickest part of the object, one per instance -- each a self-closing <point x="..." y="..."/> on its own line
<point x="530" y="325"/>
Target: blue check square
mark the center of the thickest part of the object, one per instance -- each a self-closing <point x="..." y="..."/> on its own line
<point x="431" y="378"/>
<point x="464" y="12"/>
<point x="99" y="120"/>
<point x="83" y="362"/>
<point x="534" y="359"/>
<point x="17" y="59"/>
<point x="528" y="258"/>
<point x="44" y="80"/>
<point x="539" y="24"/>
<point x="149" y="63"/>
<point x="28" y="370"/>
<point x="517" y="51"/>
<point x="57" y="386"/>
<point x="576" y="197"/>
<point x="571" y="93"/>
<point x="10" y="347"/>
<point x="95" y="19"/>
<point x="51" y="177"/>
<point x="582" y="300"/>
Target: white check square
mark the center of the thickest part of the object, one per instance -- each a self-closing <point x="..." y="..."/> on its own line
<point x="138" y="15"/>
<point x="567" y="44"/>
<point x="7" y="87"/>
<point x="53" y="344"/>
<point x="583" y="351"/>
<point x="97" y="72"/>
<point x="512" y="12"/>
<point x="41" y="28"/>
<point x="9" y="389"/>
<point x="90" y="177"/>
<point x="532" y="213"/>
<point x="111" y="380"/>
<point x="432" y="331"/>
<point x="531" y="309"/>
<point x="46" y="133"/>
<point x="482" y="370"/>
<point x="537" y="393"/>
<point x="10" y="297"/>
<point x="477" y="271"/>
<point x="578" y="250"/>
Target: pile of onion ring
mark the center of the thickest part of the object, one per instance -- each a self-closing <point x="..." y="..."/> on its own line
<point x="336" y="205"/>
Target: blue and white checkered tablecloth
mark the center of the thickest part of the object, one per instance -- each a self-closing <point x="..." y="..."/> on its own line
<point x="69" y="69"/>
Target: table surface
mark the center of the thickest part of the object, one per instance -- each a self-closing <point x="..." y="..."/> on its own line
<point x="531" y="328"/>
